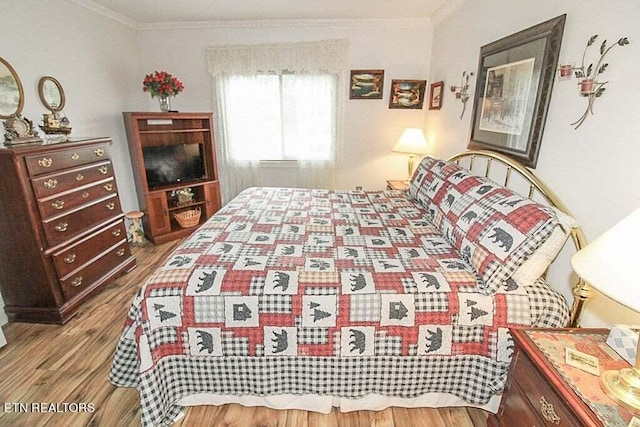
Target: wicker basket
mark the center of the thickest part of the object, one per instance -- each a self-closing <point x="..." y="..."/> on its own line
<point x="189" y="218"/>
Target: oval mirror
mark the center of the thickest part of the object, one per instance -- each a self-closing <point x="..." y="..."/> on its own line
<point x="11" y="93"/>
<point x="51" y="93"/>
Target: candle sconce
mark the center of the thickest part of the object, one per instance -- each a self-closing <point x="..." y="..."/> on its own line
<point x="462" y="91"/>
<point x="588" y="85"/>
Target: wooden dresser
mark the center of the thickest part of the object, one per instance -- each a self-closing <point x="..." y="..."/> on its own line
<point x="62" y="228"/>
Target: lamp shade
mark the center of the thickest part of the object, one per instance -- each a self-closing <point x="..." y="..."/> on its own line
<point x="611" y="263"/>
<point x="412" y="142"/>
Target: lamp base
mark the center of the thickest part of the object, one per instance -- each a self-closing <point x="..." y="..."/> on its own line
<point x="411" y="165"/>
<point x="623" y="387"/>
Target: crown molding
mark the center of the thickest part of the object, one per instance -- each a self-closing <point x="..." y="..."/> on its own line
<point x="106" y="13"/>
<point x="407" y="23"/>
<point x="288" y="23"/>
<point x="446" y="9"/>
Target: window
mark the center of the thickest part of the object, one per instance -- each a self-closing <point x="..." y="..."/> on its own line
<point x="280" y="116"/>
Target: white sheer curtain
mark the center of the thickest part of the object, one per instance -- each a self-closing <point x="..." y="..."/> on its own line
<point x="295" y="88"/>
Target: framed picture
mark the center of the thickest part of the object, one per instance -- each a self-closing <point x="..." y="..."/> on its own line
<point x="366" y="84"/>
<point x="435" y="95"/>
<point x="515" y="78"/>
<point x="407" y="94"/>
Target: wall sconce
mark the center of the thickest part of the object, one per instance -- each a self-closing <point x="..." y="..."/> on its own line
<point x="462" y="91"/>
<point x="588" y="86"/>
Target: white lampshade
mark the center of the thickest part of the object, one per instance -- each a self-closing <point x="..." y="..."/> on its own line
<point x="412" y="141"/>
<point x="611" y="263"/>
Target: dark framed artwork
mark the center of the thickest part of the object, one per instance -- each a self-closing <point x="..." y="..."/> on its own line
<point x="435" y="95"/>
<point x="515" y="79"/>
<point x="366" y="84"/>
<point x="407" y="94"/>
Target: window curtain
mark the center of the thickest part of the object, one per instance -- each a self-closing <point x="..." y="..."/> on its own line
<point x="249" y="62"/>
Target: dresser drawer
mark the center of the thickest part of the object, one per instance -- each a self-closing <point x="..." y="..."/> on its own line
<point x="78" y="254"/>
<point x="517" y="410"/>
<point x="52" y="162"/>
<point x="82" y="279"/>
<point x="65" y="227"/>
<point x="548" y="405"/>
<point x="49" y="185"/>
<point x="65" y="202"/>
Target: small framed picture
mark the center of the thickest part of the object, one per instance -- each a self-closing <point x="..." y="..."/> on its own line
<point x="408" y="94"/>
<point x="435" y="95"/>
<point x="366" y="84"/>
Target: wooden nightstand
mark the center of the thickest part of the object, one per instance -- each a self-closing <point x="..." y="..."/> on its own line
<point x="543" y="390"/>
<point x="397" y="184"/>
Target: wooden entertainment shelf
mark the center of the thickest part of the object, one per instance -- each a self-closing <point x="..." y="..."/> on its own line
<point x="159" y="201"/>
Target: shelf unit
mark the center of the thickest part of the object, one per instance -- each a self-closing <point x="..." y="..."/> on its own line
<point x="159" y="202"/>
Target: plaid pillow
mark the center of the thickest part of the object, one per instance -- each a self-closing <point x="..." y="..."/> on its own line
<point x="493" y="228"/>
<point x="419" y="187"/>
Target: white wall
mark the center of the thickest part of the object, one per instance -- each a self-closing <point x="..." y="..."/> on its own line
<point x="401" y="48"/>
<point x="592" y="168"/>
<point x="95" y="60"/>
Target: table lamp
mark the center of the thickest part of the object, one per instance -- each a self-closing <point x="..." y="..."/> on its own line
<point x="411" y="142"/>
<point x="611" y="264"/>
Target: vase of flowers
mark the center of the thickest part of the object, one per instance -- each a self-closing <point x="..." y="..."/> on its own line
<point x="164" y="86"/>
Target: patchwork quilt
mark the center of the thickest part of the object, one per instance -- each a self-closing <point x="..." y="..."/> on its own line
<point x="339" y="293"/>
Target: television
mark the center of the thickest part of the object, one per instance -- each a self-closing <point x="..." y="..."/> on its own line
<point x="173" y="164"/>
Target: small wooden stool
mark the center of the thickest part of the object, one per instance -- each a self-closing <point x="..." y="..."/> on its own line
<point x="136" y="231"/>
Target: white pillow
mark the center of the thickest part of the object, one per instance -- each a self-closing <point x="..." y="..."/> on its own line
<point x="539" y="261"/>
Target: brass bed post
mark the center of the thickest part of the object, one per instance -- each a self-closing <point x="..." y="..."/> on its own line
<point x="581" y="290"/>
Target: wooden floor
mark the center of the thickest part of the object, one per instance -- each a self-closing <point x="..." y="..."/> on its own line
<point x="64" y="367"/>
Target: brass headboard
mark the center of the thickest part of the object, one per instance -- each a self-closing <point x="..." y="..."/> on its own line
<point x="581" y="290"/>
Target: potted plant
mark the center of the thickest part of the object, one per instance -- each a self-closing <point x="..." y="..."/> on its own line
<point x="185" y="196"/>
<point x="163" y="85"/>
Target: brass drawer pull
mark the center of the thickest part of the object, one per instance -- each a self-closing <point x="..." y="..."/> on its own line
<point x="51" y="184"/>
<point x="99" y="152"/>
<point x="70" y="258"/>
<point x="77" y="281"/>
<point x="120" y="252"/>
<point x="548" y="412"/>
<point x="45" y="162"/>
<point x="79" y="177"/>
<point x="62" y="227"/>
<point x="58" y="204"/>
<point x="116" y="233"/>
<point x="75" y="156"/>
<point x="103" y="170"/>
<point x="85" y="194"/>
<point x="108" y="187"/>
<point x="111" y="206"/>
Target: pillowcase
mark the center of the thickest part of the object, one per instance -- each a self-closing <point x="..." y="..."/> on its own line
<point x="427" y="172"/>
<point x="542" y="258"/>
<point x="494" y="229"/>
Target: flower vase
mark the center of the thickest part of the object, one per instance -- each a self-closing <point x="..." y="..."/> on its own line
<point x="165" y="103"/>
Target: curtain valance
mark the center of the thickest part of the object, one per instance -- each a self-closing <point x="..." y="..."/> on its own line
<point x="305" y="57"/>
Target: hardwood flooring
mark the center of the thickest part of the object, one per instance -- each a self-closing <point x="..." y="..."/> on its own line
<point x="66" y="366"/>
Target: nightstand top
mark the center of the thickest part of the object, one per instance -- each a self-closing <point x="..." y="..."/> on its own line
<point x="398" y="184"/>
<point x="546" y="349"/>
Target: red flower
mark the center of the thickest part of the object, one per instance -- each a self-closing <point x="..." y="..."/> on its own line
<point x="161" y="83"/>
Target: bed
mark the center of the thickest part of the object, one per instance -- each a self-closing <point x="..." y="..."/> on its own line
<point x="308" y="299"/>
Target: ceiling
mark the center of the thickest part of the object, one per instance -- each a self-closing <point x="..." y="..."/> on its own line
<point x="158" y="11"/>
